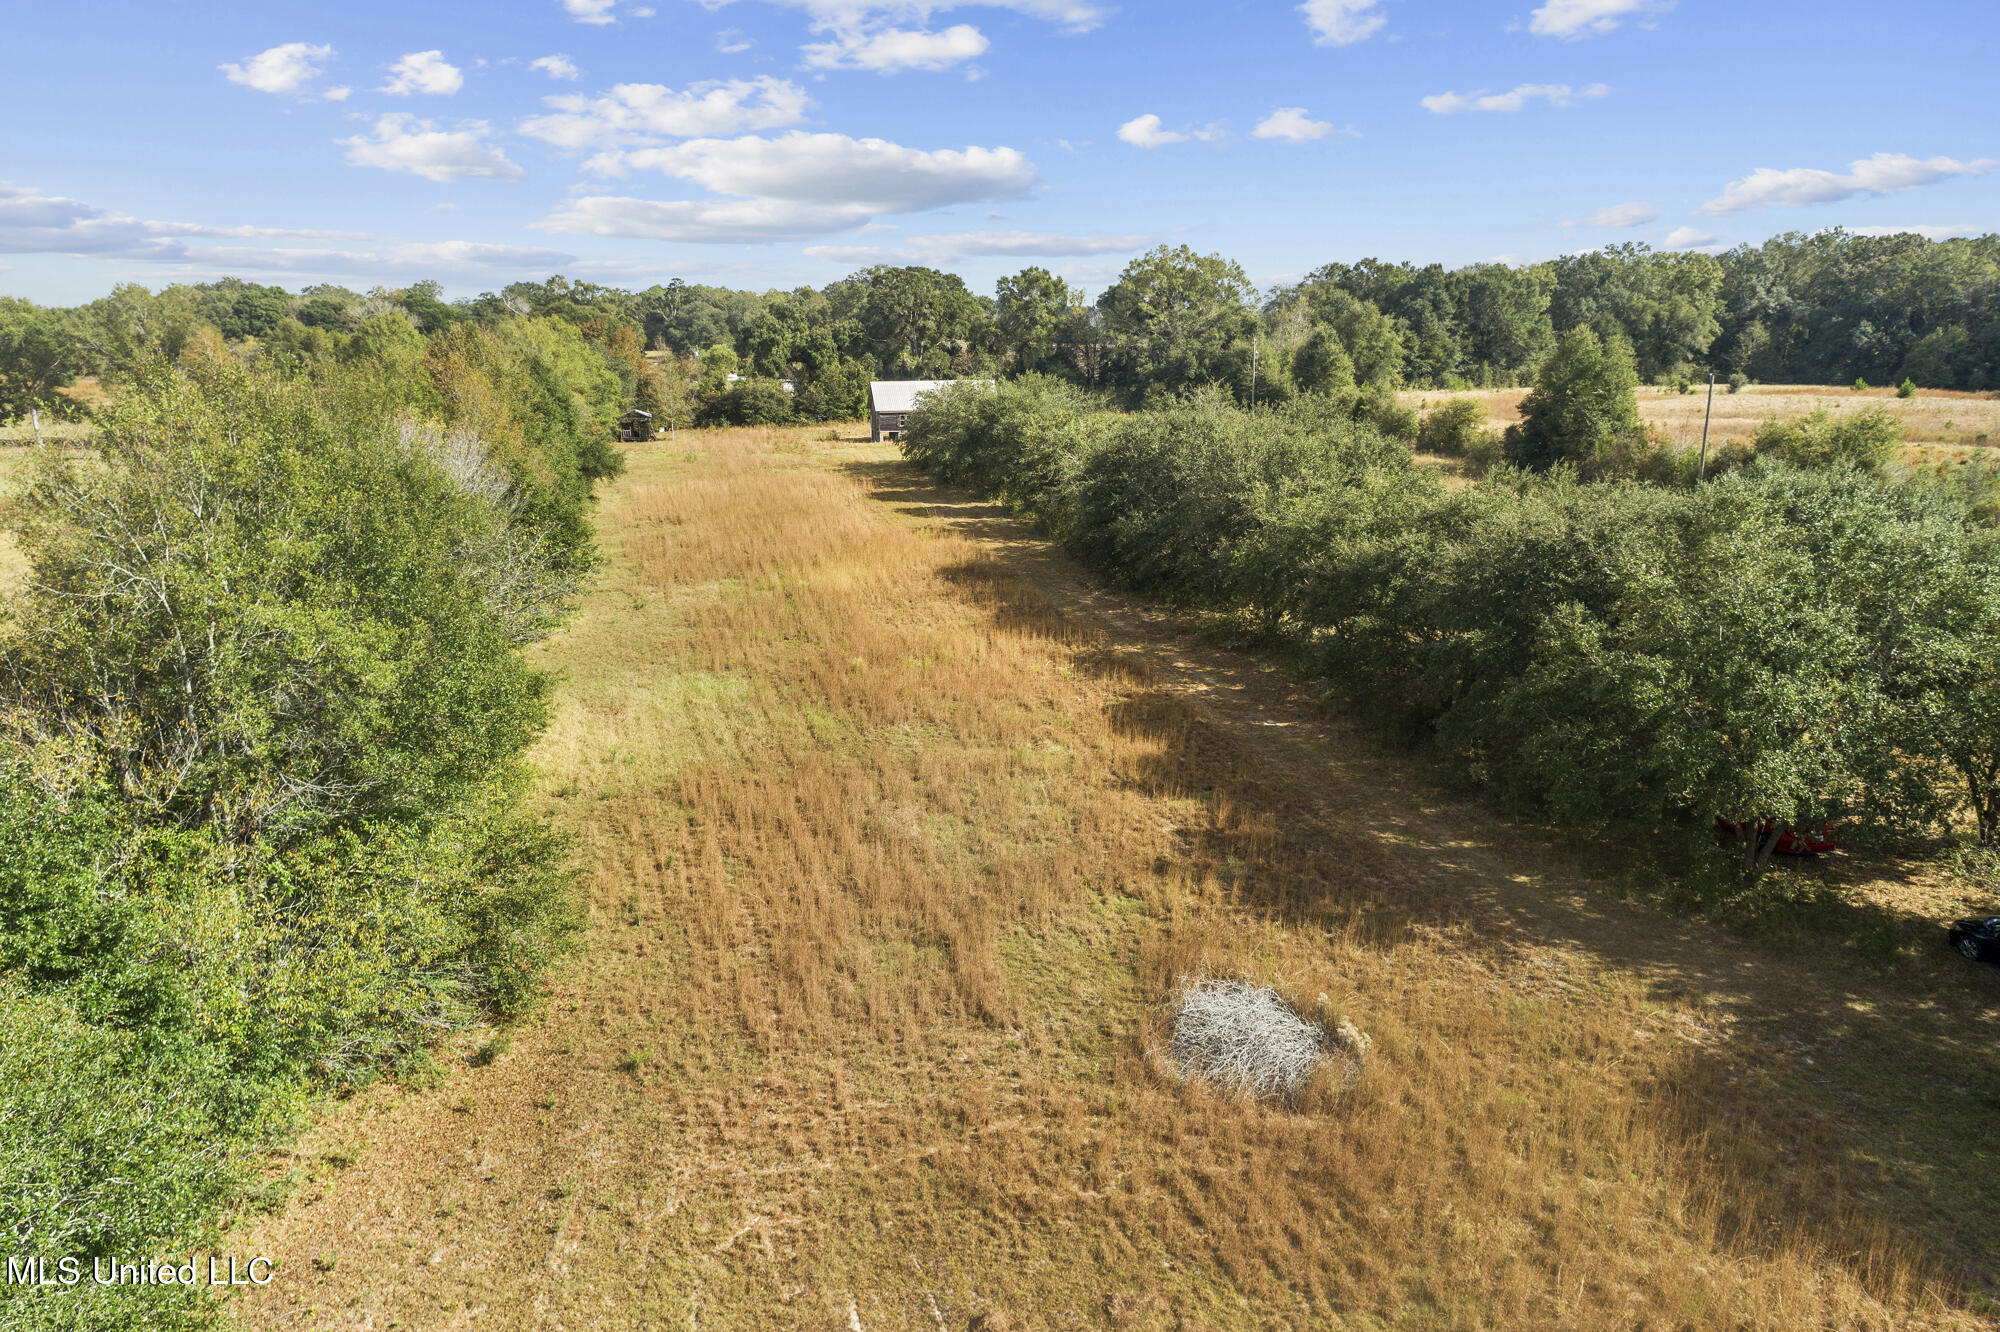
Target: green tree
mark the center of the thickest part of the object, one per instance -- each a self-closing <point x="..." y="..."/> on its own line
<point x="1033" y="305"/>
<point x="1175" y="315"/>
<point x="1583" y="401"/>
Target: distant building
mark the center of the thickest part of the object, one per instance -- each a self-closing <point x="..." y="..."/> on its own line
<point x="890" y="402"/>
<point x="635" y="426"/>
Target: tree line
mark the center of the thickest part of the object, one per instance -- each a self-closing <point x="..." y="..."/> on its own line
<point x="1827" y="308"/>
<point x="263" y="706"/>
<point x="1806" y="638"/>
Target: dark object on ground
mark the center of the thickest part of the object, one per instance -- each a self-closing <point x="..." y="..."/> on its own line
<point x="1807" y="841"/>
<point x="1977" y="938"/>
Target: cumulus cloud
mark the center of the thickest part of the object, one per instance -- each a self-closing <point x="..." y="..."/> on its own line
<point x="889" y="50"/>
<point x="707" y="221"/>
<point x="35" y="223"/>
<point x="596" y="12"/>
<point x="404" y="143"/>
<point x="1146" y="132"/>
<point x="423" y="72"/>
<point x="1571" y="19"/>
<point x="823" y="169"/>
<point x="1342" y="22"/>
<point x="1291" y="123"/>
<point x="1928" y="233"/>
<point x="1555" y="94"/>
<point x="942" y="249"/>
<point x="282" y="69"/>
<point x="831" y="15"/>
<point x="1884" y="173"/>
<point x="1618" y="215"/>
<point x="793" y="187"/>
<point x="1686" y="238"/>
<point x="641" y="112"/>
<point x="556" y="66"/>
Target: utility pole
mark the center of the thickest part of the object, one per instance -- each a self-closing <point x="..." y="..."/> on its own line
<point x="1701" y="472"/>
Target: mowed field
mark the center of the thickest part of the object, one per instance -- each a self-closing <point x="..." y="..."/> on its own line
<point x="898" y="832"/>
<point x="1940" y="426"/>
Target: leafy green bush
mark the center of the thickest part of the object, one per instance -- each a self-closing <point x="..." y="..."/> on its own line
<point x="1582" y="402"/>
<point x="1868" y="438"/>
<point x="261" y="710"/>
<point x="1907" y="389"/>
<point x="1453" y="429"/>
<point x="749" y="402"/>
<point x="1782" y="643"/>
<point x="1738" y="381"/>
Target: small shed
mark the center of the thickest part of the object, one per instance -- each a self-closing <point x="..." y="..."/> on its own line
<point x="890" y="402"/>
<point x="635" y="426"/>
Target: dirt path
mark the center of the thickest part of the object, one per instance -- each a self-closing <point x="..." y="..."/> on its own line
<point x="898" y="828"/>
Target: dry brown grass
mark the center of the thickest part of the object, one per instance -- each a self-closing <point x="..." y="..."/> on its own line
<point x="898" y="835"/>
<point x="1939" y="425"/>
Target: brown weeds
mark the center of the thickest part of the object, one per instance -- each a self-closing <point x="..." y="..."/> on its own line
<point x="893" y="861"/>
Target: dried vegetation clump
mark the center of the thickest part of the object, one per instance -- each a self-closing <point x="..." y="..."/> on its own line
<point x="1245" y="1040"/>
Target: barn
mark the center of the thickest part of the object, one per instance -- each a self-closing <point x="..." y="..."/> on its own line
<point x="890" y="402"/>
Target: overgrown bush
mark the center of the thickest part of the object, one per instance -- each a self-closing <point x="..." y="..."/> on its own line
<point x="1453" y="429"/>
<point x="262" y="706"/>
<point x="1791" y="641"/>
<point x="749" y="402"/>
<point x="1869" y="438"/>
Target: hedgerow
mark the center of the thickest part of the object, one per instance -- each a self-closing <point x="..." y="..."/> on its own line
<point x="262" y="712"/>
<point x="1781" y="646"/>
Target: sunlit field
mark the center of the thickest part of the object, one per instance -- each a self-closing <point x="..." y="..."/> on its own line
<point x="898" y="833"/>
<point x="1939" y="425"/>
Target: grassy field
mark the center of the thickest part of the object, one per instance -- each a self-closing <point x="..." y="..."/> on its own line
<point x="898" y="833"/>
<point x="11" y="461"/>
<point x="1939" y="425"/>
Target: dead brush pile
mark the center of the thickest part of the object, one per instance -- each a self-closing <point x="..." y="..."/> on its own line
<point x="1245" y="1040"/>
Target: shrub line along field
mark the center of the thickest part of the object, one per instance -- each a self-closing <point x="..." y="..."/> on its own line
<point x="1938" y="425"/>
<point x="899" y="832"/>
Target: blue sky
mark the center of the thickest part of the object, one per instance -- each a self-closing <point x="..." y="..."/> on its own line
<point x="768" y="143"/>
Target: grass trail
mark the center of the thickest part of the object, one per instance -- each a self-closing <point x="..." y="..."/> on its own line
<point x="898" y="833"/>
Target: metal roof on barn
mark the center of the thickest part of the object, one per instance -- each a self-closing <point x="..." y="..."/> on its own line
<point x="900" y="395"/>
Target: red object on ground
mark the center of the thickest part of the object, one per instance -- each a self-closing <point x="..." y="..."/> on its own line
<point x="1795" y="842"/>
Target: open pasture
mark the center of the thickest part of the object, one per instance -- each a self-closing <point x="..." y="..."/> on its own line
<point x="898" y="833"/>
<point x="1939" y="425"/>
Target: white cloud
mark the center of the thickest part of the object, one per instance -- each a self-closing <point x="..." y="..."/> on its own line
<point x="1884" y="173"/>
<point x="1686" y="238"/>
<point x="793" y="187"/>
<point x="1292" y="123"/>
<point x="731" y="41"/>
<point x="555" y="66"/>
<point x="1555" y="94"/>
<point x="1342" y="22"/>
<point x="1928" y="233"/>
<point x="891" y="49"/>
<point x="423" y="72"/>
<point x="822" y="169"/>
<point x="1145" y="132"/>
<point x="281" y="69"/>
<point x="339" y="94"/>
<point x="639" y="112"/>
<point x="708" y="221"/>
<point x="835" y="15"/>
<point x="36" y="223"/>
<point x="591" y="11"/>
<point x="1618" y="215"/>
<point x="1571" y="19"/>
<point x="943" y="249"/>
<point x="405" y="143"/>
